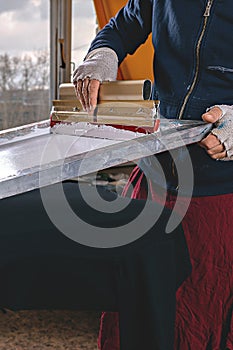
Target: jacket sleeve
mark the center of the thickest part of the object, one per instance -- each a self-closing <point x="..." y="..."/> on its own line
<point x="127" y="30"/>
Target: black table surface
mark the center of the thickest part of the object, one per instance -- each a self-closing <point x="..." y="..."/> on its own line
<point x="41" y="268"/>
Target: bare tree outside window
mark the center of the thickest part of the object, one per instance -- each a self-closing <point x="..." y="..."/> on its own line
<point x="24" y="62"/>
<point x="24" y="56"/>
<point x="24" y="83"/>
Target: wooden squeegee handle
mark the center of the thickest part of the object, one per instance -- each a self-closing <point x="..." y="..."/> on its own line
<point x="125" y="90"/>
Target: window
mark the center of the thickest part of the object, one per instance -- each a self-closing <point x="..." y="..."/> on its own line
<point x="83" y="29"/>
<point x="24" y="62"/>
<point x="25" y="91"/>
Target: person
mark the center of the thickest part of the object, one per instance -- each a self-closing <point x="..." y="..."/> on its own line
<point x="193" y="79"/>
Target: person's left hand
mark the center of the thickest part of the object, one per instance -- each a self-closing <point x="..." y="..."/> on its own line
<point x="219" y="143"/>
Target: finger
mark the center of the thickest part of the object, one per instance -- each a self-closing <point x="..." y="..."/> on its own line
<point x="93" y="89"/>
<point x="218" y="156"/>
<point x="210" y="142"/>
<point x="216" y="150"/>
<point x="85" y="93"/>
<point x="214" y="147"/>
<point x="78" y="89"/>
<point x="212" y="115"/>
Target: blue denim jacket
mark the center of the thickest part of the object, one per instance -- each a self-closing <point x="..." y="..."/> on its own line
<point x="193" y="70"/>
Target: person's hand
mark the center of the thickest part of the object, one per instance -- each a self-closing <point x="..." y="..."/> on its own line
<point x="99" y="65"/>
<point x="87" y="92"/>
<point x="214" y="147"/>
<point x="219" y="143"/>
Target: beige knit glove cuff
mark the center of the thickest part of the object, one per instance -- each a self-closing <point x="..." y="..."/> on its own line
<point x="100" y="64"/>
<point x="224" y="129"/>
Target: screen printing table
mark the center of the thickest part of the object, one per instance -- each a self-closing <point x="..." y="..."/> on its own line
<point x="41" y="268"/>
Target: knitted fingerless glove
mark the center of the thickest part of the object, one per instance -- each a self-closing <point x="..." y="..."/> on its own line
<point x="224" y="129"/>
<point x="100" y="64"/>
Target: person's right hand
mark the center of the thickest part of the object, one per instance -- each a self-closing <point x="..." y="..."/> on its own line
<point x="99" y="65"/>
<point x="219" y="143"/>
<point x="87" y="92"/>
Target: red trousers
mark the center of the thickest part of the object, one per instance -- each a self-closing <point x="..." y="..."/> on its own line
<point x="204" y="309"/>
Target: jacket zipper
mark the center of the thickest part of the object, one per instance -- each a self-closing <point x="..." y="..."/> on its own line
<point x="206" y="16"/>
<point x="198" y="48"/>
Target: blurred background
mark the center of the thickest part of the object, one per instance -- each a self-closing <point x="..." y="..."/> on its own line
<point x="25" y="54"/>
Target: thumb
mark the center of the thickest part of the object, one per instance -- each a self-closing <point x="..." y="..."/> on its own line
<point x="212" y="115"/>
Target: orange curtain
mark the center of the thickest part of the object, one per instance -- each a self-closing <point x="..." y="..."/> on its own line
<point x="137" y="66"/>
